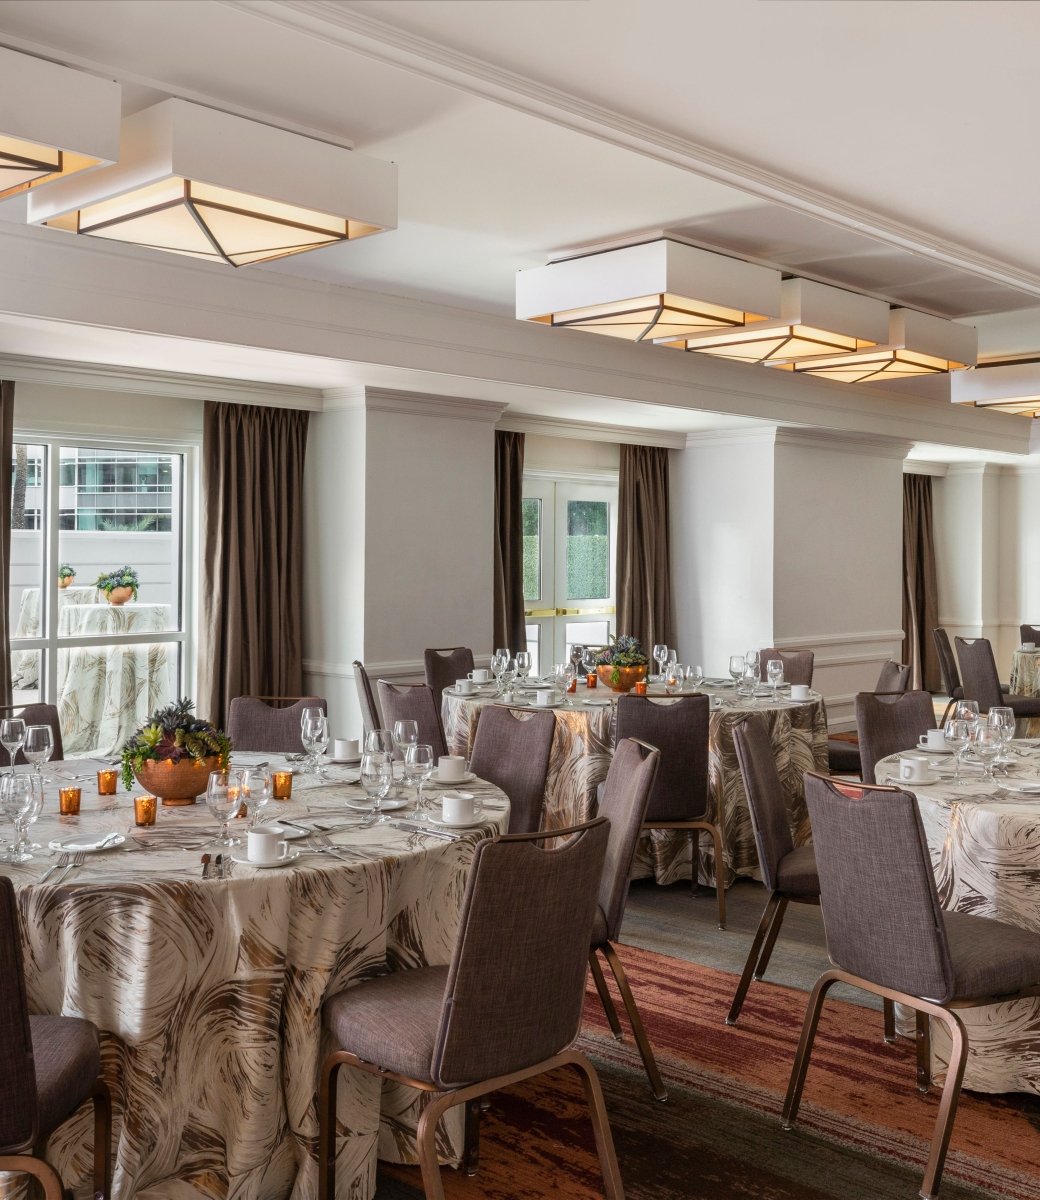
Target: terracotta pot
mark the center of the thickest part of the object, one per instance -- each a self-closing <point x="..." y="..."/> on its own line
<point x="68" y="581"/>
<point x="176" y="783"/>
<point x="120" y="595"/>
<point x="620" y="679"/>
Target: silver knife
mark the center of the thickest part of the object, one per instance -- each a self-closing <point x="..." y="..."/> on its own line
<point x="437" y="833"/>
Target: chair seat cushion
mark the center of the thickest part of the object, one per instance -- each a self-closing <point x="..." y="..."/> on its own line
<point x="1023" y="706"/>
<point x="796" y="873"/>
<point x="392" y="1020"/>
<point x="67" y="1057"/>
<point x="990" y="957"/>
<point x="843" y="757"/>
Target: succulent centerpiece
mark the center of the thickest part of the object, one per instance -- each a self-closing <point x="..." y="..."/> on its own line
<point x="66" y="575"/>
<point x="172" y="754"/>
<point x="119" y="585"/>
<point x="622" y="664"/>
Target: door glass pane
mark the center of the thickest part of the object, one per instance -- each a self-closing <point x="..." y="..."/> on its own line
<point x="27" y="502"/>
<point x="586" y="633"/>
<point x="588" y="550"/>
<point x="534" y="633"/>
<point x="531" y="511"/>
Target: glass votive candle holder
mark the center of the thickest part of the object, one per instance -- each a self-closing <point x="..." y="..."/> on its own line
<point x="591" y="679"/>
<point x="640" y="687"/>
<point x="107" y="782"/>
<point x="68" y="801"/>
<point x="144" y="810"/>
<point x="572" y="685"/>
<point x="281" y="784"/>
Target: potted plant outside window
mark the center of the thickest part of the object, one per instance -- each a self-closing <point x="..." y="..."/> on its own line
<point x="119" y="585"/>
<point x="172" y="754"/>
<point x="66" y="575"/>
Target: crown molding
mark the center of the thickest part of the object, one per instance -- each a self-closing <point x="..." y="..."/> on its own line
<point x="591" y="431"/>
<point x="844" y="443"/>
<point x="731" y="437"/>
<point x="331" y="22"/>
<point x="426" y="404"/>
<point x="916" y="466"/>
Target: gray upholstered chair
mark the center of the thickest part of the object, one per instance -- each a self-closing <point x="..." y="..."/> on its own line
<point x="443" y="667"/>
<point x="679" y="729"/>
<point x="887" y="934"/>
<point x="949" y="674"/>
<point x="981" y="682"/>
<point x="507" y="1007"/>
<point x="371" y="717"/>
<point x="888" y="724"/>
<point x="623" y="801"/>
<point x="798" y="664"/>
<point x="511" y="750"/>
<point x="257" y="723"/>
<point x="413" y="702"/>
<point x="1029" y="633"/>
<point x="37" y="714"/>
<point x="48" y="1067"/>
<point x="843" y="757"/>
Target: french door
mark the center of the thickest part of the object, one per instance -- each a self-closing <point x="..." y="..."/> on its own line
<point x="570" y="539"/>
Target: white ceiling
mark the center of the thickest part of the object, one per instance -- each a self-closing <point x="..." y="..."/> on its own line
<point x="882" y="145"/>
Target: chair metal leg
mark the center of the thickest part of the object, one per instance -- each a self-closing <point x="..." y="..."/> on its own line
<point x="102" y="1141"/>
<point x="327" y="1128"/>
<point x="613" y="1020"/>
<point x="426" y="1143"/>
<point x="805" y="1043"/>
<point x="612" y="1186"/>
<point x="924" y="1052"/>
<point x="720" y="874"/>
<point x="888" y="1010"/>
<point x="646" y="1051"/>
<point x="947" y="1104"/>
<point x="28" y="1164"/>
<point x="772" y="914"/>
<point x="767" y="949"/>
<point x="471" y="1144"/>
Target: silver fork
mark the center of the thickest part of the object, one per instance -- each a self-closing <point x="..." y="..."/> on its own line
<point x="77" y="860"/>
<point x="322" y="844"/>
<point x="60" y="865"/>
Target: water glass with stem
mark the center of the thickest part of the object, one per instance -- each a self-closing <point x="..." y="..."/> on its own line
<point x="1003" y="719"/>
<point x="406" y="733"/>
<point x="418" y="765"/>
<point x="775" y="673"/>
<point x="695" y="676"/>
<point x="12" y="735"/>
<point x="312" y="713"/>
<point x="563" y="673"/>
<point x="377" y="778"/>
<point x="523" y="664"/>
<point x="315" y="737"/>
<point x="736" y="667"/>
<point x="256" y="791"/>
<point x="986" y="744"/>
<point x="498" y="664"/>
<point x="20" y="798"/>
<point x="660" y="657"/>
<point x="958" y="738"/>
<point x="505" y="680"/>
<point x="223" y="798"/>
<point x="589" y="657"/>
<point x="39" y="746"/>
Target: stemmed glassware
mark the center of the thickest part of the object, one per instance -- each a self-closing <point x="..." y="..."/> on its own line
<point x="563" y="673"/>
<point x="749" y="680"/>
<point x="38" y="747"/>
<point x="498" y="664"/>
<point x="967" y="710"/>
<point x="673" y="680"/>
<point x="12" y="735"/>
<point x="986" y="744"/>
<point x="660" y="657"/>
<point x="21" y="799"/>
<point x="505" y="679"/>
<point x="958" y="738"/>
<point x="311" y="714"/>
<point x="1003" y="719"/>
<point x="736" y="667"/>
<point x="377" y="778"/>
<point x="523" y="664"/>
<point x="588" y="660"/>
<point x="223" y="798"/>
<point x="406" y="733"/>
<point x="775" y="673"/>
<point x="256" y="791"/>
<point x="314" y="734"/>
<point x="695" y="676"/>
<point x="418" y="766"/>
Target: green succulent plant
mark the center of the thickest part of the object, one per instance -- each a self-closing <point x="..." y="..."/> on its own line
<point x="174" y="733"/>
<point x="120" y="577"/>
<point x="66" y="571"/>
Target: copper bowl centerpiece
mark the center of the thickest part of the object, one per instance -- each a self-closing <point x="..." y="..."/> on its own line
<point x="622" y="664"/>
<point x="172" y="755"/>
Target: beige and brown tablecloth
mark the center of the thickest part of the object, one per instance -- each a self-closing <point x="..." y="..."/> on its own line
<point x="1025" y="673"/>
<point x="209" y="992"/>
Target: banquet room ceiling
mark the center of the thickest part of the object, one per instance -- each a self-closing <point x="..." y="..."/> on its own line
<point x="800" y="134"/>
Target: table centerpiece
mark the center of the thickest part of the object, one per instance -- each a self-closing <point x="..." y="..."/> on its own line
<point x="172" y="755"/>
<point x="622" y="664"/>
<point x="66" y="575"/>
<point x="119" y="585"/>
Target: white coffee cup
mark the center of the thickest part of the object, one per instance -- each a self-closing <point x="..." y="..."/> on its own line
<point x="934" y="739"/>
<point x="465" y="687"/>
<point x="543" y="698"/>
<point x="800" y="691"/>
<point x="458" y="808"/>
<point x="480" y="675"/>
<point x="1029" y="645"/>
<point x="266" y="844"/>
<point x="913" y="769"/>
<point x="451" y="766"/>
<point x="346" y="748"/>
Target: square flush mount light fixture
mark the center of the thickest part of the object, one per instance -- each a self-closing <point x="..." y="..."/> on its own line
<point x="657" y="290"/>
<point x="917" y="345"/>
<point x="814" y="320"/>
<point x="54" y="122"/>
<point x="210" y="185"/>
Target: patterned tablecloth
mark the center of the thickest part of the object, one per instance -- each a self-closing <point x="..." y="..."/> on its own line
<point x="209" y="992"/>
<point x="985" y="847"/>
<point x="582" y="748"/>
<point x="25" y="664"/>
<point x="1025" y="673"/>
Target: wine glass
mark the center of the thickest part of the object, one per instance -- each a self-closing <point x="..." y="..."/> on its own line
<point x="1003" y="719"/>
<point x="12" y="735"/>
<point x="311" y="713"/>
<point x="671" y="662"/>
<point x="588" y="660"/>
<point x="377" y="778"/>
<point x="224" y="798"/>
<point x="315" y="737"/>
<point x="19" y="795"/>
<point x="986" y="744"/>
<point x="660" y="657"/>
<point x="749" y="680"/>
<point x="523" y="664"/>
<point x="775" y="673"/>
<point x="505" y="679"/>
<point x="418" y="765"/>
<point x="406" y="733"/>
<point x="673" y="680"/>
<point x="256" y="791"/>
<point x="498" y="664"/>
<point x="753" y="659"/>
<point x="958" y="738"/>
<point x="695" y="676"/>
<point x="380" y="740"/>
<point x="563" y="673"/>
<point x="39" y="746"/>
<point x="736" y="667"/>
<point x="967" y="710"/>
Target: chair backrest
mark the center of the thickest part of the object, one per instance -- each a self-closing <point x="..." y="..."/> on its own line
<point x="623" y="802"/>
<point x="894" y="678"/>
<point x="40" y="714"/>
<point x="1029" y="633"/>
<point x="511" y="750"/>
<point x="371" y="717"/>
<point x="18" y="1100"/>
<point x="798" y="664"/>
<point x="255" y="723"/>
<point x="765" y="795"/>
<point x="950" y="676"/>
<point x="979" y="676"/>
<point x="443" y="667"/>
<point x="412" y="702"/>
<point x="880" y="905"/>
<point x="888" y="724"/>
<point x="516" y="983"/>
<point x="679" y="730"/>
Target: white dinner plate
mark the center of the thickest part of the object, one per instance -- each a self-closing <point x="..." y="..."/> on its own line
<point x="243" y="861"/>
<point x="478" y="819"/>
<point x="468" y="777"/>
<point x="388" y="805"/>
<point x="533" y="687"/>
<point x="945" y="751"/>
<point x="88" y="843"/>
<point x="597" y="703"/>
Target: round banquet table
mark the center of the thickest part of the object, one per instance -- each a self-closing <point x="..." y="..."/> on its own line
<point x="985" y="849"/>
<point x="583" y="745"/>
<point x="209" y="992"/>
<point x="1025" y="673"/>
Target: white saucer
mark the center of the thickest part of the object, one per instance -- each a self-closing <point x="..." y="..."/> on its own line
<point x="467" y="778"/>
<point x="533" y="687"/>
<point x="388" y="805"/>
<point x="345" y="762"/>
<point x="597" y="703"/>
<point x="84" y="843"/>
<point x="478" y="819"/>
<point x="243" y="861"/>
<point x="945" y="751"/>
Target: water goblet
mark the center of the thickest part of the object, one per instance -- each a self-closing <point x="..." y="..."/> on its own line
<point x="958" y="738"/>
<point x="749" y="681"/>
<point x="380" y="740"/>
<point x="12" y="735"/>
<point x="257" y="787"/>
<point x="986" y="744"/>
<point x="660" y="657"/>
<point x="695" y="676"/>
<point x="753" y="659"/>
<point x="19" y="796"/>
<point x="736" y="666"/>
<point x="418" y="764"/>
<point x="39" y="746"/>
<point x="967" y="710"/>
<point x="589" y="657"/>
<point x="506" y="680"/>
<point x="671" y="662"/>
<point x="498" y="664"/>
<point x="523" y="664"/>
<point x="223" y="798"/>
<point x="313" y="712"/>
<point x="315" y="737"/>
<point x="775" y="673"/>
<point x="377" y="778"/>
<point x="673" y="679"/>
<point x="563" y="673"/>
<point x="406" y="733"/>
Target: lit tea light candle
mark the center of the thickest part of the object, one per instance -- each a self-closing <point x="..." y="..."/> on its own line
<point x="107" y="782"/>
<point x="640" y="687"/>
<point x="281" y="784"/>
<point x="591" y="679"/>
<point x="68" y="801"/>
<point x="144" y="810"/>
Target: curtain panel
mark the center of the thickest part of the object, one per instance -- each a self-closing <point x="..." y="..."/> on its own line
<point x="250" y="623"/>
<point x="644" y="573"/>
<point x="920" y="590"/>
<point x="6" y="455"/>
<point x="509" y="625"/>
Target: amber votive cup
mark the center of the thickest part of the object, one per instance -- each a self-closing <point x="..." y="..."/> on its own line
<point x="68" y="801"/>
<point x="640" y="687"/>
<point x="591" y="679"/>
<point x="106" y="782"/>
<point x="281" y="784"/>
<point x="144" y="810"/>
<point x="572" y="686"/>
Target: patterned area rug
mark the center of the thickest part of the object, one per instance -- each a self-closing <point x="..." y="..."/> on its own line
<point x="863" y="1128"/>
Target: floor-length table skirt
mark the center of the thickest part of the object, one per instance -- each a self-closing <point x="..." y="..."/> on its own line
<point x="580" y="758"/>
<point x="209" y="993"/>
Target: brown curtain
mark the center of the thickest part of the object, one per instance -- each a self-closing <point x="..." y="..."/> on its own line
<point x="6" y="455"/>
<point x="250" y="635"/>
<point x="509" y="626"/>
<point x="644" y="573"/>
<point x="920" y="591"/>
